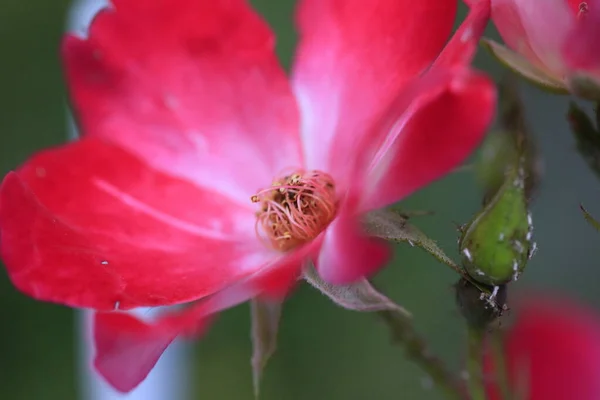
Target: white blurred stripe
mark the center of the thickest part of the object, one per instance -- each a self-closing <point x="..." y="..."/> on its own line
<point x="170" y="378"/>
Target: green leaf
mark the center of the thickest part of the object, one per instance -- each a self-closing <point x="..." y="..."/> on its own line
<point x="521" y="66"/>
<point x="589" y="218"/>
<point x="265" y="317"/>
<point x="389" y="225"/>
<point x="359" y="296"/>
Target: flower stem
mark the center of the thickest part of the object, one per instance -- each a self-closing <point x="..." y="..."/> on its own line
<point x="403" y="333"/>
<point x="500" y="364"/>
<point x="474" y="364"/>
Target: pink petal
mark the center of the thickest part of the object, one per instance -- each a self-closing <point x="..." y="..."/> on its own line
<point x="122" y="339"/>
<point x="464" y="43"/>
<point x="127" y="348"/>
<point x="582" y="47"/>
<point x="192" y="87"/>
<point x="90" y="225"/>
<point x="553" y="348"/>
<point x="348" y="254"/>
<point x="578" y="5"/>
<point x="536" y="29"/>
<point x="430" y="130"/>
<point x="353" y="58"/>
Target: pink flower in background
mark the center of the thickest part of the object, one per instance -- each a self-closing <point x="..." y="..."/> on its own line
<point x="549" y="41"/>
<point x="553" y="352"/>
<point x="204" y="172"/>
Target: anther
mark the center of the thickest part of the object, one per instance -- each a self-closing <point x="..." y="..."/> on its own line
<point x="295" y="209"/>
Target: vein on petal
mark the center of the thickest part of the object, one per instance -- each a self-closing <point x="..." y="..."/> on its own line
<point x="156" y="214"/>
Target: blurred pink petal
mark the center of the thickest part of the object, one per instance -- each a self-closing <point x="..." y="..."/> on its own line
<point x="553" y="349"/>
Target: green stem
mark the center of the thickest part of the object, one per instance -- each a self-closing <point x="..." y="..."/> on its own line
<point x="403" y="333"/>
<point x="500" y="365"/>
<point x="474" y="364"/>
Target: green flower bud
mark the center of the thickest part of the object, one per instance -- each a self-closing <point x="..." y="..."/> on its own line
<point x="500" y="150"/>
<point x="496" y="245"/>
<point x="510" y="145"/>
<point x="497" y="151"/>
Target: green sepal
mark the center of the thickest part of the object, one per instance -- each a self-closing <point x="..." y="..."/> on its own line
<point x="394" y="226"/>
<point x="265" y="317"/>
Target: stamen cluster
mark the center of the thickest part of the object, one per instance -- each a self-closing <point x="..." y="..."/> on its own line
<point x="295" y="209"/>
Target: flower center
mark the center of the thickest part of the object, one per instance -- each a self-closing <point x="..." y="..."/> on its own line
<point x="295" y="209"/>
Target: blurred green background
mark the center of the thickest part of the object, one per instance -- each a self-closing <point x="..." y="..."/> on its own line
<point x="324" y="352"/>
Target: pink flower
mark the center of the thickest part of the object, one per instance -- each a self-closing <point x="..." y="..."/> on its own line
<point x="204" y="172"/>
<point x="553" y="352"/>
<point x="550" y="42"/>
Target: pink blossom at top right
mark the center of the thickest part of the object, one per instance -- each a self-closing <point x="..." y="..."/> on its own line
<point x="553" y="43"/>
